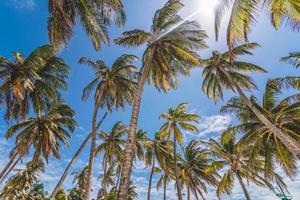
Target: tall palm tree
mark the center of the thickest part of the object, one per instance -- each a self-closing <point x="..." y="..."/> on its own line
<point x="156" y="151"/>
<point x="233" y="159"/>
<point x="114" y="86"/>
<point x="221" y="72"/>
<point x="177" y="119"/>
<point x="171" y="50"/>
<point x="283" y="113"/>
<point x="95" y="16"/>
<point x="112" y="147"/>
<point x="33" y="80"/>
<point x="193" y="164"/>
<point x="19" y="185"/>
<point x="244" y="14"/>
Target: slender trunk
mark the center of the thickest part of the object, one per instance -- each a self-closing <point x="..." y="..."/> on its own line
<point x="290" y="143"/>
<point x="243" y="186"/>
<point x="176" y="170"/>
<point x="11" y="161"/>
<point x="104" y="182"/>
<point x="130" y="144"/>
<point x="151" y="175"/>
<point x="92" y="154"/>
<point x="80" y="149"/>
<point x="9" y="170"/>
<point x="188" y="193"/>
<point x="165" y="190"/>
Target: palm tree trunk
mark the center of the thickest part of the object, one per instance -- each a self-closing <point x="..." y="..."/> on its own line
<point x="11" y="161"/>
<point x="151" y="175"/>
<point x="243" y="186"/>
<point x="130" y="144"/>
<point x="176" y="170"/>
<point x="104" y="182"/>
<point x="165" y="190"/>
<point x="188" y="193"/>
<point x="92" y="154"/>
<point x="290" y="143"/>
<point x="9" y="170"/>
<point x="80" y="149"/>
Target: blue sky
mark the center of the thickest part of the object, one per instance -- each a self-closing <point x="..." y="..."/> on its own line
<point x="24" y="27"/>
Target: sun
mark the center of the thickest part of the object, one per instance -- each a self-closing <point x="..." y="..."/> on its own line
<point x="202" y="7"/>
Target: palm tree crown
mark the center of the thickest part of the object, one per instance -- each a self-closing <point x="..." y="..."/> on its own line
<point x="243" y="15"/>
<point x="95" y="16"/>
<point x="34" y="80"/>
<point x="113" y="86"/>
<point x="214" y="77"/>
<point x="44" y="132"/>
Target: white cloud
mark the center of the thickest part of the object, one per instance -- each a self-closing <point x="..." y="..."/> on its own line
<point x="213" y="124"/>
<point x="23" y="4"/>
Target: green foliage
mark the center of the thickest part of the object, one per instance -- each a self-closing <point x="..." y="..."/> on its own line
<point x="113" y="86"/>
<point x="32" y="81"/>
<point x="19" y="185"/>
<point x="95" y="16"/>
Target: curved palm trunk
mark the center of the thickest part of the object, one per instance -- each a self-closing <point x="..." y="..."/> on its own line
<point x="80" y="149"/>
<point x="290" y="143"/>
<point x="92" y="154"/>
<point x="176" y="171"/>
<point x="151" y="176"/>
<point x="9" y="170"/>
<point x="9" y="164"/>
<point x="130" y="144"/>
<point x="243" y="186"/>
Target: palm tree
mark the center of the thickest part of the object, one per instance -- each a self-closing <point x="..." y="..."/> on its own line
<point x="35" y="80"/>
<point x="114" y="87"/>
<point x="112" y="148"/>
<point x="177" y="119"/>
<point x="233" y="159"/>
<point x="46" y="131"/>
<point x="164" y="180"/>
<point x="243" y="16"/>
<point x="171" y="50"/>
<point x="156" y="150"/>
<point x="19" y="185"/>
<point x="80" y="181"/>
<point x="283" y="114"/>
<point x="193" y="164"/>
<point x="222" y="72"/>
<point x="95" y="16"/>
<point x="107" y="181"/>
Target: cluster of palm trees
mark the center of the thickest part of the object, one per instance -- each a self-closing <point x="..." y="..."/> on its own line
<point x="268" y="135"/>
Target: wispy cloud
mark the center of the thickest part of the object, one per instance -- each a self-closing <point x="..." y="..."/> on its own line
<point x="213" y="124"/>
<point x="22" y="4"/>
